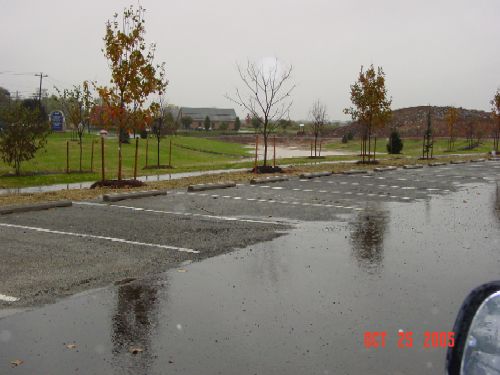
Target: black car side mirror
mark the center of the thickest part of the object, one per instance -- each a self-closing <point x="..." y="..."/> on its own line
<point x="477" y="334"/>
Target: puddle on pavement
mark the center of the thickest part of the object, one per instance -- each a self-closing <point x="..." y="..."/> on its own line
<point x="299" y="304"/>
<point x="294" y="152"/>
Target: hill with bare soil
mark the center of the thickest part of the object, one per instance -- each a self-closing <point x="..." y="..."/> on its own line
<point x="412" y="122"/>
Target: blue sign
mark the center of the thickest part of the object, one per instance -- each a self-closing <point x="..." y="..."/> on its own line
<point x="57" y="121"/>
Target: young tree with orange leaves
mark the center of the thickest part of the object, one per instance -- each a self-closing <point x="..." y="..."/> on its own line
<point x="372" y="107"/>
<point x="451" y="120"/>
<point x="495" y="107"/>
<point x="134" y="76"/>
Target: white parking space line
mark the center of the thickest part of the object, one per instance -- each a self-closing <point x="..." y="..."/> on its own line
<point x="203" y="216"/>
<point x="112" y="239"/>
<point x="267" y="201"/>
<point x="350" y="192"/>
<point x="5" y="298"/>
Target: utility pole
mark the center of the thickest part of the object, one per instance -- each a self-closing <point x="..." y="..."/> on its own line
<point x="42" y="76"/>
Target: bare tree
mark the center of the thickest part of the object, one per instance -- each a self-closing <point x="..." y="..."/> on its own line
<point x="451" y="120"/>
<point x="495" y="107"/>
<point x="266" y="95"/>
<point x="77" y="104"/>
<point x="319" y="118"/>
<point x="161" y="118"/>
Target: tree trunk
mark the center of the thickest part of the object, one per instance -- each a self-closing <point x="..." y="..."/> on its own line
<point x="361" y="149"/>
<point x="147" y="150"/>
<point x="18" y="167"/>
<point x="170" y="154"/>
<point x="158" y="151"/>
<point x="119" y="158"/>
<point x="369" y="146"/>
<point x="265" y="151"/>
<point x="315" y="144"/>
<point x="81" y="153"/>
<point x="124" y="137"/>
<point x="496" y="137"/>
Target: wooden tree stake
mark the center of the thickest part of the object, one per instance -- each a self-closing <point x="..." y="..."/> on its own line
<point x="102" y="158"/>
<point x="92" y="158"/>
<point x="67" y="156"/>
<point x="135" y="159"/>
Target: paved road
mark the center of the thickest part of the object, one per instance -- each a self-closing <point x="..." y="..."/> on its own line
<point x="297" y="271"/>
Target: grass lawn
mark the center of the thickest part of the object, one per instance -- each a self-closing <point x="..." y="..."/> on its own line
<point x="413" y="147"/>
<point x="188" y="153"/>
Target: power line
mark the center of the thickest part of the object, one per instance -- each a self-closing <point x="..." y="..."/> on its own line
<point x="41" y="75"/>
<point x="10" y="72"/>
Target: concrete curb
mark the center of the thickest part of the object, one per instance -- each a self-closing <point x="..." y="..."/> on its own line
<point x="356" y="171"/>
<point x="384" y="169"/>
<point x="477" y="160"/>
<point x="132" y="195"/>
<point x="34" y="207"/>
<point x="458" y="162"/>
<point x="313" y="175"/>
<point x="435" y="164"/>
<point x="214" y="186"/>
<point x="413" y="166"/>
<point x="265" y="180"/>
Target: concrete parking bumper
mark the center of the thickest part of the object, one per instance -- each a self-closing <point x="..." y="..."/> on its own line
<point x="413" y="166"/>
<point x="314" y="175"/>
<point x="132" y="195"/>
<point x="34" y="207"/>
<point x="385" y="169"/>
<point x="214" y="186"/>
<point x="265" y="180"/>
<point x="436" y="164"/>
<point x="356" y="171"/>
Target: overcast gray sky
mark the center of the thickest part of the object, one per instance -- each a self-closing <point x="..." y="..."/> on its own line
<point x="442" y="52"/>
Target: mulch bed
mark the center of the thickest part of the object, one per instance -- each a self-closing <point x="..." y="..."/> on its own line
<point x="117" y="184"/>
<point x="267" y="169"/>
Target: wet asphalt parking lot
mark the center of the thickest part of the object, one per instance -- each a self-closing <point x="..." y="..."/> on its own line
<point x="282" y="278"/>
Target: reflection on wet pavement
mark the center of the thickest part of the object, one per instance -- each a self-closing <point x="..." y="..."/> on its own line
<point x="134" y="322"/>
<point x="367" y="238"/>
